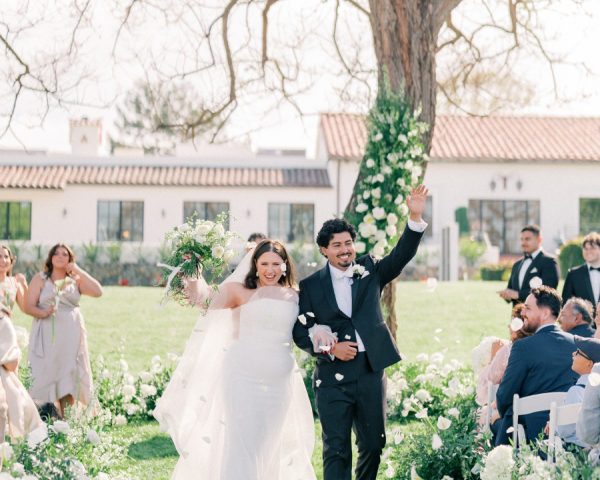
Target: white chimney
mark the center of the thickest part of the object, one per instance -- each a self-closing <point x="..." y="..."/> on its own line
<point x="85" y="136"/>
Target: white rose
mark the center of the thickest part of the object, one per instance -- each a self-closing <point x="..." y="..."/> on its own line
<point x="536" y="282"/>
<point x="61" y="427"/>
<point x="131" y="409"/>
<point x="436" y="442"/>
<point x="147" y="390"/>
<point x="437" y="358"/>
<point x="369" y="219"/>
<point x="184" y="227"/>
<point x="362" y="207"/>
<point x="218" y="251"/>
<point x="408" y="164"/>
<point x="146" y="377"/>
<point x="378" y="213"/>
<point x="93" y="437"/>
<point x="400" y="182"/>
<point x="392" y="219"/>
<point x="380" y="178"/>
<point x="378" y="137"/>
<point x="454" y="412"/>
<point x="203" y="229"/>
<point x="229" y="254"/>
<point x="403" y="210"/>
<point x="376" y="192"/>
<point x="386" y="170"/>
<point x="120" y="420"/>
<point x="379" y="236"/>
<point x="423" y="395"/>
<point x="370" y="163"/>
<point x="417" y="171"/>
<point x="378" y="250"/>
<point x="360" y="247"/>
<point x="37" y="436"/>
<point x="403" y="138"/>
<point x="366" y="194"/>
<point x="219" y="230"/>
<point x="391" y="230"/>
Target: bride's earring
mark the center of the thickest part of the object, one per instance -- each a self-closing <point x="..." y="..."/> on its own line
<point x="256" y="274"/>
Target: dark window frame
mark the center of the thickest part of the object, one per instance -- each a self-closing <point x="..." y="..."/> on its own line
<point x="5" y="223"/>
<point x="205" y="208"/>
<point x="120" y="229"/>
<point x="290" y="236"/>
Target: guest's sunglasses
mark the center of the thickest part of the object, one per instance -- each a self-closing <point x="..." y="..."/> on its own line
<point x="581" y="354"/>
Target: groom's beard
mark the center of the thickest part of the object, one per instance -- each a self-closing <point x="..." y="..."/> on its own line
<point x="345" y="263"/>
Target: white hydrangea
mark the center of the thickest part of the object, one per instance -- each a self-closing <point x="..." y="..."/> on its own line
<point x="498" y="464"/>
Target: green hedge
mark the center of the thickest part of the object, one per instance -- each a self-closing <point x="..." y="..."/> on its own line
<point x="494" y="272"/>
<point x="571" y="254"/>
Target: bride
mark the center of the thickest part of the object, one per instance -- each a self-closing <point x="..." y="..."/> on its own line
<point x="236" y="406"/>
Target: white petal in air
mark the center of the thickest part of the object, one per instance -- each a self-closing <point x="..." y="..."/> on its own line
<point x="302" y="319"/>
<point x="536" y="282"/>
<point x="436" y="442"/>
<point x="317" y="383"/>
<point x="339" y="377"/>
<point x="516" y="324"/>
<point x="594" y="379"/>
<point x="347" y="337"/>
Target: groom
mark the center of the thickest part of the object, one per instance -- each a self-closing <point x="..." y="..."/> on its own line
<point x="349" y="385"/>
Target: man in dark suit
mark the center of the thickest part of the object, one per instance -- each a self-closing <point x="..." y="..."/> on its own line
<point x="576" y="318"/>
<point x="349" y="383"/>
<point x="537" y="364"/>
<point x="533" y="270"/>
<point x="584" y="281"/>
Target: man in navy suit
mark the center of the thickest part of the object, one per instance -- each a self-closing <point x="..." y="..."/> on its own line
<point x="576" y="318"/>
<point x="583" y="281"/>
<point x="349" y="384"/>
<point x="537" y="364"/>
<point x="533" y="270"/>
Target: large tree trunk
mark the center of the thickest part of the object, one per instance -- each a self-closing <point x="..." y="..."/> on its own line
<point x="405" y="37"/>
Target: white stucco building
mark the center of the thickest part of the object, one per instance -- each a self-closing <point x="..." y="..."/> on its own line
<point x="499" y="172"/>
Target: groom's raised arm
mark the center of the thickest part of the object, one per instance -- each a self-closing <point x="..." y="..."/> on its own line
<point x="391" y="265"/>
<point x="300" y="330"/>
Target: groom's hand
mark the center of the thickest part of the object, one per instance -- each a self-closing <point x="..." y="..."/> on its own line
<point x="345" y="351"/>
<point x="416" y="202"/>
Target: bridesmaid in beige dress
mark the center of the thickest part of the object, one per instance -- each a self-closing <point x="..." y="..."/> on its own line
<point x="58" y="351"/>
<point x="18" y="413"/>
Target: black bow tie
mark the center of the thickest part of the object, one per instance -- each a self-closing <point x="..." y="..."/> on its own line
<point x="595" y="268"/>
<point x="528" y="256"/>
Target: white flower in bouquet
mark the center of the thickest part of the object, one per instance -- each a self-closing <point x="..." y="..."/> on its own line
<point x="59" y="426"/>
<point x="498" y="464"/>
<point x="443" y="423"/>
<point x="218" y="251"/>
<point x="147" y="390"/>
<point x="379" y="213"/>
<point x="146" y="377"/>
<point x="37" y="436"/>
<point x="219" y="230"/>
<point x="436" y="442"/>
<point x="93" y="437"/>
<point x="120" y="420"/>
<point x="423" y="395"/>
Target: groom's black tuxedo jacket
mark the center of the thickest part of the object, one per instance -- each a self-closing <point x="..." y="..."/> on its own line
<point x="317" y="296"/>
<point x="578" y="284"/>
<point x="543" y="266"/>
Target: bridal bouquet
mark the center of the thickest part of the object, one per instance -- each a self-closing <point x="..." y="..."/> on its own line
<point x="196" y="247"/>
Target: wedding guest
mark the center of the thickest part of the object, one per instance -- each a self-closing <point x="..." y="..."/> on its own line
<point x="500" y="353"/>
<point x="583" y="281"/>
<point x="587" y="353"/>
<point x="576" y="317"/>
<point x="540" y="363"/>
<point x="533" y="270"/>
<point x="58" y="352"/>
<point x="254" y="239"/>
<point x="588" y="422"/>
<point x="18" y="413"/>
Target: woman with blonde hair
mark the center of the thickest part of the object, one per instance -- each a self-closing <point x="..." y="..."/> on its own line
<point x="58" y="351"/>
<point x="18" y="413"/>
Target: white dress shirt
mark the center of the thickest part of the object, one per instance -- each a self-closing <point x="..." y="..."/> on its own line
<point x="595" y="281"/>
<point x="525" y="266"/>
<point x="342" y="283"/>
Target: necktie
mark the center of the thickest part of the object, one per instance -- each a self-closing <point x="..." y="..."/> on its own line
<point x="528" y="256"/>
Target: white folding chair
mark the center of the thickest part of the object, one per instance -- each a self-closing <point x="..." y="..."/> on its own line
<point x="562" y="415"/>
<point x="531" y="404"/>
<point x="491" y="398"/>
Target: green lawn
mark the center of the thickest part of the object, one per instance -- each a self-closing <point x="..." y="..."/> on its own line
<point x="130" y="322"/>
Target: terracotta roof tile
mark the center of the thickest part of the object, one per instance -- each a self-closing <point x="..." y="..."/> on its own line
<point x="58" y="176"/>
<point x="494" y="138"/>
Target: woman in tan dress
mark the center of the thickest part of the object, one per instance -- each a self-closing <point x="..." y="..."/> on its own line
<point x="58" y="352"/>
<point x="18" y="413"/>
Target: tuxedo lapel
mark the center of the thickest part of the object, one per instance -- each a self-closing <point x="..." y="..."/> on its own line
<point x="325" y="277"/>
<point x="585" y="273"/>
<point x="355" y="285"/>
<point x="532" y="265"/>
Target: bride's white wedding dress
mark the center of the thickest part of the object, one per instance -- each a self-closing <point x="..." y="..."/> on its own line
<point x="236" y="406"/>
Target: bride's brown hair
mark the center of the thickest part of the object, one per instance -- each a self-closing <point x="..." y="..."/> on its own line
<point x="287" y="280"/>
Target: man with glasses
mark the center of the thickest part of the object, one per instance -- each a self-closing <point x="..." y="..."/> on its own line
<point x="584" y="280"/>
<point x="587" y="353"/>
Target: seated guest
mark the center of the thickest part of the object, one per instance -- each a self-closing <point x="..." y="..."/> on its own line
<point x="576" y="317"/>
<point x="500" y="351"/>
<point x="584" y="280"/>
<point x="587" y="353"/>
<point x="588" y="423"/>
<point x="537" y="364"/>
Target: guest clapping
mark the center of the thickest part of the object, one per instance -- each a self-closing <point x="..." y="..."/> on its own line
<point x="18" y="414"/>
<point x="58" y="352"/>
<point x="576" y="317"/>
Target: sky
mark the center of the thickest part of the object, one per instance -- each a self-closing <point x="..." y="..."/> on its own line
<point x="570" y="30"/>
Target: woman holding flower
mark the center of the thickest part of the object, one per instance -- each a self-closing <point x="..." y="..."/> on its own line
<point x="18" y="414"/>
<point x="58" y="352"/>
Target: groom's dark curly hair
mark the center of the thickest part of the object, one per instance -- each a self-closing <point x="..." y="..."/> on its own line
<point x="331" y="227"/>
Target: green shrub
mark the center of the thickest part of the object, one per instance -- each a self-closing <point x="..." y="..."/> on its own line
<point x="571" y="254"/>
<point x="494" y="272"/>
<point x="471" y="250"/>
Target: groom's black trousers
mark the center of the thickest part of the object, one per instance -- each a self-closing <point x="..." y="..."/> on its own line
<point x="360" y="406"/>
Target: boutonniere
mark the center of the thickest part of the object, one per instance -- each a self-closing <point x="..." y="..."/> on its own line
<point x="358" y="271"/>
